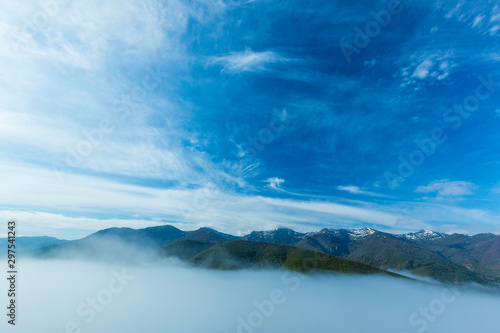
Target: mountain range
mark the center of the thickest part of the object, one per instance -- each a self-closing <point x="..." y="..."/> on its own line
<point x="27" y="244"/>
<point x="447" y="258"/>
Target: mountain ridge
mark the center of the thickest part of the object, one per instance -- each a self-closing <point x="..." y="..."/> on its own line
<point x="448" y="258"/>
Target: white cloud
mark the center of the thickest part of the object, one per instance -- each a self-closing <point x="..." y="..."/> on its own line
<point x="351" y="189"/>
<point x="35" y="223"/>
<point x="275" y="182"/>
<point x="438" y="68"/>
<point x="424" y="66"/>
<point x="444" y="188"/>
<point x="356" y="190"/>
<point x="422" y="70"/>
<point x="477" y="20"/>
<point x="494" y="29"/>
<point x="247" y="61"/>
<point x="370" y="64"/>
<point x="336" y="210"/>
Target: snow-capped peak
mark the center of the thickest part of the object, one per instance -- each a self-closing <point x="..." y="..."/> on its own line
<point x="359" y="233"/>
<point x="423" y="234"/>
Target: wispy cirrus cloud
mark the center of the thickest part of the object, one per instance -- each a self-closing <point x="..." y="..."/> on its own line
<point x="357" y="190"/>
<point x="196" y="127"/>
<point x="445" y="188"/>
<point x="84" y="204"/>
<point x="248" y="61"/>
<point x="73" y="57"/>
<point x="86" y="35"/>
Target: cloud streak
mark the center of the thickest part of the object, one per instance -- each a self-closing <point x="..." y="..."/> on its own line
<point x="356" y="190"/>
<point x="248" y="61"/>
<point x="445" y="188"/>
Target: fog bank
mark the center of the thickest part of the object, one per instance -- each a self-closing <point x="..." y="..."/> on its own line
<point x="58" y="296"/>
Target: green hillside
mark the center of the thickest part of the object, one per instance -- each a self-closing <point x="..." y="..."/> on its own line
<point x="385" y="251"/>
<point x="248" y="254"/>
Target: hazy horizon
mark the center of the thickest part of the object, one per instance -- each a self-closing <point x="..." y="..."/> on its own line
<point x="240" y="235"/>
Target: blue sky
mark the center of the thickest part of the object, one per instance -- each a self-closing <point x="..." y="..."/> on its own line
<point x="249" y="115"/>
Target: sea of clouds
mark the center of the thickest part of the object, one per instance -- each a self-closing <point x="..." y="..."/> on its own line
<point x="77" y="296"/>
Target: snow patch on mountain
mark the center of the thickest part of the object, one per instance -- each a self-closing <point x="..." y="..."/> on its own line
<point x="361" y="233"/>
<point x="422" y="235"/>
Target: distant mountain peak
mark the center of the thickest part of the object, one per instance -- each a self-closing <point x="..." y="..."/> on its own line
<point x="286" y="230"/>
<point x="360" y="233"/>
<point x="424" y="234"/>
<point x="209" y="235"/>
<point x="328" y="231"/>
<point x="448" y="258"/>
<point x="281" y="235"/>
<point x="352" y="233"/>
<point x="207" y="229"/>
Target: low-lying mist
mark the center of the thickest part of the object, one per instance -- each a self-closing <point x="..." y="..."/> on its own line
<point x="77" y="296"/>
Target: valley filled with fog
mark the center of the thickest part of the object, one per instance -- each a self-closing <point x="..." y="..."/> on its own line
<point x="164" y="295"/>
